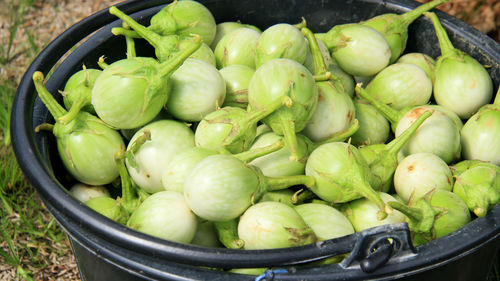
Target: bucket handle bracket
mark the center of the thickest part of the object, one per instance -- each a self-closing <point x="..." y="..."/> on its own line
<point x="376" y="246"/>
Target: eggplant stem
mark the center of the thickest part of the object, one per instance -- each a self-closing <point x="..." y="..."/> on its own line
<point x="252" y="154"/>
<point x="288" y="128"/>
<point x="227" y="232"/>
<point x="412" y="213"/>
<point x="169" y="66"/>
<point x="342" y="135"/>
<point x="398" y="143"/>
<point x="480" y="212"/>
<point x="364" y="189"/>
<point x="44" y="127"/>
<point x="50" y="102"/>
<point x="497" y="98"/>
<point x="125" y="32"/>
<point x="76" y="107"/>
<point x="320" y="67"/>
<point x="302" y="195"/>
<point x="447" y="48"/>
<point x="129" y="41"/>
<point x="129" y="197"/>
<point x="255" y="116"/>
<point x="391" y="114"/>
<point x="135" y="146"/>
<point x="327" y="76"/>
<point x="302" y="24"/>
<point x="101" y="63"/>
<point x="153" y="38"/>
<point x="278" y="183"/>
<point x="409" y="17"/>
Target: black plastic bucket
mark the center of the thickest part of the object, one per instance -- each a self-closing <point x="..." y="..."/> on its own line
<point x="106" y="250"/>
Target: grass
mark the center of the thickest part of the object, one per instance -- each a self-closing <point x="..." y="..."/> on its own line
<point x="29" y="235"/>
<point x="16" y="20"/>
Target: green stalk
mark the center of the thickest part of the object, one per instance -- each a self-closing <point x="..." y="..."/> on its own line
<point x="319" y="62"/>
<point x="254" y="116"/>
<point x="101" y="63"/>
<point x="327" y="76"/>
<point x="125" y="32"/>
<point x="288" y="128"/>
<point x="131" y="53"/>
<point x="447" y="49"/>
<point x="283" y="196"/>
<point x="396" y="144"/>
<point x="153" y="38"/>
<point x="302" y="195"/>
<point x="391" y="114"/>
<point x="278" y="183"/>
<point x="129" y="199"/>
<point x="83" y="100"/>
<point x="169" y="66"/>
<point x="44" y="127"/>
<point x="249" y="155"/>
<point x="135" y="146"/>
<point x="227" y="232"/>
<point x="497" y="98"/>
<point x="333" y="39"/>
<point x="414" y="214"/>
<point x="407" y="18"/>
<point x="76" y="107"/>
<point x="340" y="136"/>
<point x="50" y="102"/>
<point x="364" y="189"/>
<point x="302" y="24"/>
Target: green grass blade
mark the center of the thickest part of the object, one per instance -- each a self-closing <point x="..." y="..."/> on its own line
<point x="24" y="273"/>
<point x="12" y="249"/>
<point x="8" y="258"/>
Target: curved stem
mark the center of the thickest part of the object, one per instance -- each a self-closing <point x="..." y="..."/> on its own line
<point x="288" y="128"/>
<point x="480" y="212"/>
<point x="364" y="189"/>
<point x="125" y="32"/>
<point x="252" y="154"/>
<point x="44" y="127"/>
<point x="407" y="18"/>
<point x="131" y="53"/>
<point x="414" y="214"/>
<point x="76" y="107"/>
<point x="278" y="183"/>
<point x="255" y="116"/>
<point x="169" y="66"/>
<point x="227" y="232"/>
<point x="283" y="196"/>
<point x="447" y="49"/>
<point x="302" y="24"/>
<point x="497" y="98"/>
<point x="50" y="102"/>
<point x="152" y="37"/>
<point x="135" y="146"/>
<point x="333" y="38"/>
<point x="129" y="199"/>
<point x="320" y="67"/>
<point x="323" y="77"/>
<point x="101" y="63"/>
<point x="302" y="195"/>
<point x="342" y="135"/>
<point x="397" y="144"/>
<point x="389" y="113"/>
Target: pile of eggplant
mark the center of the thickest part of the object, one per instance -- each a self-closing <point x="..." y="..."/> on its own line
<point x="237" y="137"/>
